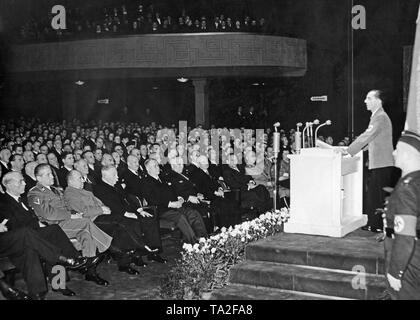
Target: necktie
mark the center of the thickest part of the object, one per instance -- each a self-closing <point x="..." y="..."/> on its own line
<point x="22" y="204"/>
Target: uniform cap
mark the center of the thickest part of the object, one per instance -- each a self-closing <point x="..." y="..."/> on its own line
<point x="411" y="138"/>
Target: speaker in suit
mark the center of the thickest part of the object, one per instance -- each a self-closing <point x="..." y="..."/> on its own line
<point x="377" y="139"/>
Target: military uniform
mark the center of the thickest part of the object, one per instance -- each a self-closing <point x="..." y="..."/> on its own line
<point x="50" y="208"/>
<point x="402" y="249"/>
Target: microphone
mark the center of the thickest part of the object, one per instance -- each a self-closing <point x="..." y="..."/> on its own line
<point x="311" y="133"/>
<point x="303" y="134"/>
<point x="326" y="123"/>
<point x="276" y="139"/>
<point x="298" y="138"/>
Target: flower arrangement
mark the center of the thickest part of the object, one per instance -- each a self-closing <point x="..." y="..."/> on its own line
<point x="205" y="265"/>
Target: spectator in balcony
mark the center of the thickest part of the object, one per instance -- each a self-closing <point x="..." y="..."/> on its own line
<point x="223" y="27"/>
<point x="165" y="27"/>
<point x="216" y="25"/>
<point x="262" y="25"/>
<point x="203" y="26"/>
<point x="98" y="31"/>
<point x="180" y="26"/>
<point x="197" y="26"/>
<point x="158" y="19"/>
<point x="115" y="30"/>
<point x="254" y="26"/>
<point x="135" y="28"/>
<point x="237" y="27"/>
<point x="247" y="24"/>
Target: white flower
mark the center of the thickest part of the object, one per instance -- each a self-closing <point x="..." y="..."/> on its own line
<point x="243" y="239"/>
<point x="187" y="247"/>
<point x="213" y="250"/>
<point x="223" y="230"/>
<point x="196" y="247"/>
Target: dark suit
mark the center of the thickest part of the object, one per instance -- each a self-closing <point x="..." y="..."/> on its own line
<point x="257" y="198"/>
<point x="185" y="188"/>
<point x="21" y="217"/>
<point x="24" y="247"/>
<point x="30" y="183"/>
<point x="157" y="193"/>
<point x="93" y="176"/>
<point x="228" y="212"/>
<point x="62" y="177"/>
<point x="4" y="169"/>
<point x="115" y="198"/>
<point x="58" y="155"/>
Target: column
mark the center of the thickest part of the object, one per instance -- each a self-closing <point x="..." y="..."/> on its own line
<point x="201" y="102"/>
<point x="69" y="100"/>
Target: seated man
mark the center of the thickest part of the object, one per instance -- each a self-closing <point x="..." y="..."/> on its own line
<point x="20" y="215"/>
<point x="25" y="248"/>
<point x="252" y="195"/>
<point x="141" y="225"/>
<point x="229" y="211"/>
<point x="125" y="237"/>
<point x="169" y="206"/>
<point x="82" y="166"/>
<point x="186" y="189"/>
<point x="50" y="207"/>
<point x="68" y="162"/>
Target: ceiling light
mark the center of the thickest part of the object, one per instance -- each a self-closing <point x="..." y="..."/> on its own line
<point x="155" y="88"/>
<point x="182" y="79"/>
<point x="80" y="83"/>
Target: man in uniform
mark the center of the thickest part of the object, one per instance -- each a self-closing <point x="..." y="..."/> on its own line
<point x="378" y="140"/>
<point x="402" y="249"/>
<point x="48" y="204"/>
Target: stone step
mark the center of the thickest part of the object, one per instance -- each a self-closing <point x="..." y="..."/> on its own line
<point x="308" y="279"/>
<point x="350" y="253"/>
<point x="247" y="292"/>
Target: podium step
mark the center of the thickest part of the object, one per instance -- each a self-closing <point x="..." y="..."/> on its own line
<point x="308" y="279"/>
<point x="348" y="253"/>
<point x="247" y="292"/>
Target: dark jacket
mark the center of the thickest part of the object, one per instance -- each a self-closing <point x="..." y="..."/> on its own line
<point x="17" y="215"/>
<point x="114" y="198"/>
<point x="205" y="183"/>
<point x="157" y="193"/>
<point x="181" y="185"/>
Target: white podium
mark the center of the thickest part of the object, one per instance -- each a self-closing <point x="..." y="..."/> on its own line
<point x="326" y="193"/>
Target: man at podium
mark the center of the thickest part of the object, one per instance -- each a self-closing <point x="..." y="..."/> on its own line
<point x="377" y="139"/>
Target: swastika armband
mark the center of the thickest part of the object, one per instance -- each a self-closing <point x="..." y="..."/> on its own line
<point x="405" y="225"/>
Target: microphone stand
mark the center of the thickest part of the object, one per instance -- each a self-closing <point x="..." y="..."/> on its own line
<point x="326" y="123"/>
<point x="298" y="138"/>
<point x="303" y="135"/>
<point x="310" y="133"/>
<point x="276" y="149"/>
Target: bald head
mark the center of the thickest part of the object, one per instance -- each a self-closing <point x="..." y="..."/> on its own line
<point x="74" y="179"/>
